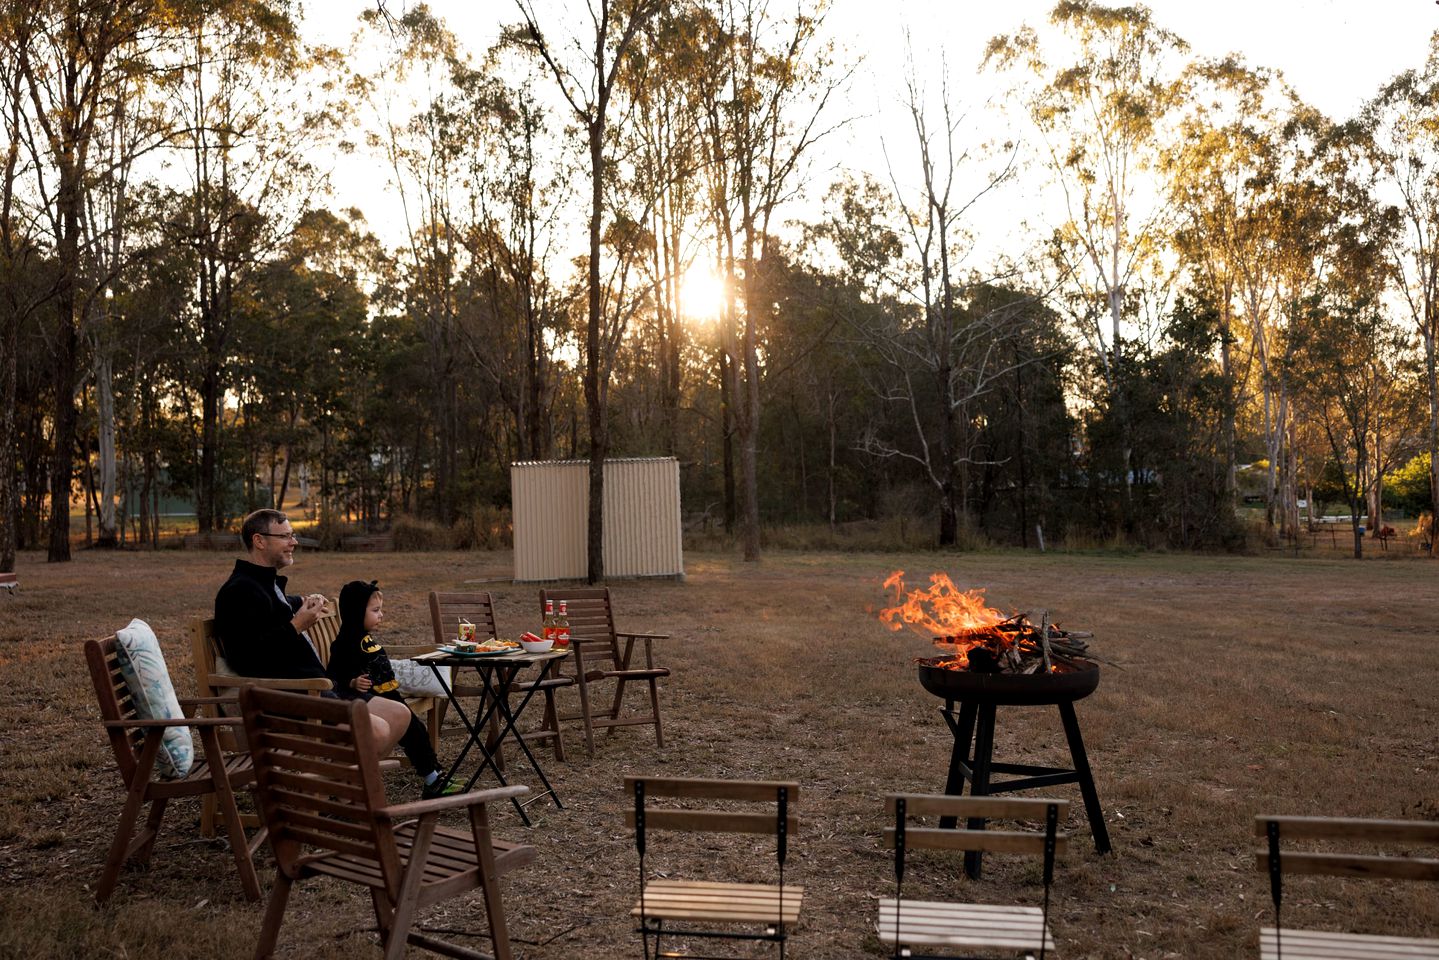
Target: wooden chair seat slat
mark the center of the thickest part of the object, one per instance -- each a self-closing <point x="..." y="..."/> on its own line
<point x="458" y="857"/>
<point x="720" y="902"/>
<point x="970" y="925"/>
<point x="659" y="673"/>
<point x="1318" y="945"/>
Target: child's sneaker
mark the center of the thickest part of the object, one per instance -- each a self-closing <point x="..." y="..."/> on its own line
<point x="442" y="788"/>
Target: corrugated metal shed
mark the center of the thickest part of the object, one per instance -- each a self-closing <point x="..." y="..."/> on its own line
<point x="643" y="533"/>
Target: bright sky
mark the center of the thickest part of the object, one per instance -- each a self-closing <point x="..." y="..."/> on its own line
<point x="1335" y="53"/>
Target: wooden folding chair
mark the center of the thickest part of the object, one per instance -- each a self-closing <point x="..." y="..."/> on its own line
<point x="598" y="656"/>
<point x="772" y="907"/>
<point x="320" y="792"/>
<point x="136" y="743"/>
<point x="1277" y="942"/>
<point x="969" y="926"/>
<point x="477" y="607"/>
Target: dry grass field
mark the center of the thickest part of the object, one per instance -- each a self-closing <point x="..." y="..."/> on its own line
<point x="1248" y="685"/>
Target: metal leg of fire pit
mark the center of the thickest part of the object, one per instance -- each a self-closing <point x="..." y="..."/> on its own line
<point x="963" y="731"/>
<point x="1086" y="779"/>
<point x="975" y="725"/>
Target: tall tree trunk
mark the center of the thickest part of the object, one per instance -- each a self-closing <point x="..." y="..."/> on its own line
<point x="62" y="458"/>
<point x="9" y="507"/>
<point x="205" y="484"/>
<point x="105" y="427"/>
<point x="594" y="390"/>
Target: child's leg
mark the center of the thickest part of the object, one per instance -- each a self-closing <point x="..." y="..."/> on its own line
<point x="392" y="716"/>
<point x="415" y="741"/>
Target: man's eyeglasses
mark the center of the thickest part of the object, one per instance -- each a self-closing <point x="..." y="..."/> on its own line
<point x="281" y="536"/>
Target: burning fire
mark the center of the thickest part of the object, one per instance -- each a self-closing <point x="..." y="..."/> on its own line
<point x="958" y="620"/>
<point x="979" y="638"/>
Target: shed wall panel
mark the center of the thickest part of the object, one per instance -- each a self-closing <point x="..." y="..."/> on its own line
<point x="550" y="503"/>
<point x="643" y="532"/>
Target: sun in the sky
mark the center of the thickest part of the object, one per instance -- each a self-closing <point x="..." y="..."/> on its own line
<point x="702" y="293"/>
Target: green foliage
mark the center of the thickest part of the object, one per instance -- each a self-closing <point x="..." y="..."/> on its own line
<point x="1407" y="488"/>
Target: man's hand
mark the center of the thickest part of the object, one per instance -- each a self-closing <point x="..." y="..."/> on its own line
<point x="309" y="612"/>
<point x="362" y="683"/>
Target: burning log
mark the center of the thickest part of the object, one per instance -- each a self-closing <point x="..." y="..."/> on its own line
<point x="980" y="639"/>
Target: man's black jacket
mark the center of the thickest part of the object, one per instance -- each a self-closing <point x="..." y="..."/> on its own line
<point x="252" y="624"/>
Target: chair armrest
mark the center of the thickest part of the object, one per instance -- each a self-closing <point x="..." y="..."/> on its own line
<point x="271" y="683"/>
<point x="201" y="701"/>
<point x="574" y="639"/>
<point x="642" y="636"/>
<point x="456" y="801"/>
<point x="175" y="722"/>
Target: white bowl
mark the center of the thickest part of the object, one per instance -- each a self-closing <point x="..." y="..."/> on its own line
<point x="537" y="646"/>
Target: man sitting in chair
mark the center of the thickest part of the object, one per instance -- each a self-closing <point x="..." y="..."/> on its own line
<point x="261" y="630"/>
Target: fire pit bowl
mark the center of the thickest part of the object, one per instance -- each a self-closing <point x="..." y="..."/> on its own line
<point x="1012" y="689"/>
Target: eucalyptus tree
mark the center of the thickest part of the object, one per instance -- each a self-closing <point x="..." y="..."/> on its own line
<point x="663" y="150"/>
<point x="1102" y="111"/>
<point x="516" y="189"/>
<point x="421" y="127"/>
<point x="69" y="66"/>
<point x="132" y="126"/>
<point x="941" y="353"/>
<point x="1402" y="123"/>
<point x="1223" y="180"/>
<point x="588" y="84"/>
<point x="20" y="253"/>
<point x="1348" y="361"/>
<point x="246" y="151"/>
<point x="763" y="102"/>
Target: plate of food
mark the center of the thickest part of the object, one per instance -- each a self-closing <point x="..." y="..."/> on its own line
<point x="488" y="648"/>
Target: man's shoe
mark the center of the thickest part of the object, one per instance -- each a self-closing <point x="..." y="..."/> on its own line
<point x="442" y="788"/>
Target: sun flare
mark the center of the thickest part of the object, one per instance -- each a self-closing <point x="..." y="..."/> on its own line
<point x="702" y="293"/>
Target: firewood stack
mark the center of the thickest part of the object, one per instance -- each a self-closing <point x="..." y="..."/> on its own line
<point x="1016" y="645"/>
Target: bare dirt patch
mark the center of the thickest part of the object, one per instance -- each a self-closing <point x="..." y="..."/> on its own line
<point x="1251" y="685"/>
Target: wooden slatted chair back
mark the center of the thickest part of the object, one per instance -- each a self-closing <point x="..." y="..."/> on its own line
<point x="322" y="634"/>
<point x="1023" y="842"/>
<point x="116" y="704"/>
<point x="448" y="609"/>
<point x="599" y="655"/>
<point x="644" y="817"/>
<point x="1341" y="864"/>
<point x="1345" y="832"/>
<point x="591" y="616"/>
<point x="317" y="780"/>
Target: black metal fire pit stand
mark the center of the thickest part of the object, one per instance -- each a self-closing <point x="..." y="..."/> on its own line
<point x="973" y="726"/>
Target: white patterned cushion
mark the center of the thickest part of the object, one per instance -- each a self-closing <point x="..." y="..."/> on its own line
<point x="143" y="666"/>
<point x="418" y="680"/>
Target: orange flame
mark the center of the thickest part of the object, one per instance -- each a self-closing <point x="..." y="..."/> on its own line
<point x="943" y="610"/>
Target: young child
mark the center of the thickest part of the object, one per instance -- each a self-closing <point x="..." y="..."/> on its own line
<point x="360" y="668"/>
